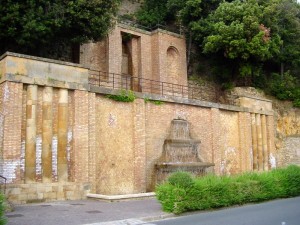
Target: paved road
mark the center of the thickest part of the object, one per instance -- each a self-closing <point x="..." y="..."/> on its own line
<point x="148" y="212"/>
<point x="278" y="212"/>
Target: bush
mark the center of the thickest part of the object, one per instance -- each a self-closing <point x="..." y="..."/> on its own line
<point x="124" y="96"/>
<point x="2" y="218"/>
<point x="181" y="194"/>
<point x="181" y="179"/>
<point x="285" y="88"/>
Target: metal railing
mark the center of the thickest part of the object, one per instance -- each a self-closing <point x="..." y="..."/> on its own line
<point x="128" y="82"/>
<point x="173" y="29"/>
<point x="2" y="184"/>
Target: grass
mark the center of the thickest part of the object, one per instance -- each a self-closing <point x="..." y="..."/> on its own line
<point x="222" y="191"/>
<point x="2" y="218"/>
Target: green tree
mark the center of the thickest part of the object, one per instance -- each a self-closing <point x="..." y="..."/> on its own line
<point x="283" y="17"/>
<point x="237" y="32"/>
<point x="37" y="26"/>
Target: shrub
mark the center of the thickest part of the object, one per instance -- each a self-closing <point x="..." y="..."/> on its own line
<point x="183" y="193"/>
<point x="285" y="88"/>
<point x="2" y="218"/>
<point x="124" y="96"/>
<point x="181" y="179"/>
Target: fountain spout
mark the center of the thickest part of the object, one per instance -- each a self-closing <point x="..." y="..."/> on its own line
<point x="180" y="153"/>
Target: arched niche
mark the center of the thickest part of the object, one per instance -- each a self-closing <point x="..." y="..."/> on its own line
<point x="173" y="65"/>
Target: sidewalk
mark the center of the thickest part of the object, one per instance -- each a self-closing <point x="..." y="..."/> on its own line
<point x="88" y="212"/>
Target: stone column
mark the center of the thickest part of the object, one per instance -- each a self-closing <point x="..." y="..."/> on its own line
<point x="30" y="146"/>
<point x="47" y="135"/>
<point x="216" y="135"/>
<point x="265" y="145"/>
<point x="62" y="166"/>
<point x="139" y="144"/>
<point x="254" y="141"/>
<point x="259" y="143"/>
<point x="271" y="142"/>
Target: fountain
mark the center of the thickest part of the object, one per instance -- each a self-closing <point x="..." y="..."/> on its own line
<point x="180" y="153"/>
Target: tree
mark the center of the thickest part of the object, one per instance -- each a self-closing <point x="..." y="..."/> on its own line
<point x="236" y="30"/>
<point x="37" y="26"/>
<point x="283" y="17"/>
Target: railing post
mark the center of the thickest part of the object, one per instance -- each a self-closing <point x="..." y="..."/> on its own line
<point x="162" y="88"/>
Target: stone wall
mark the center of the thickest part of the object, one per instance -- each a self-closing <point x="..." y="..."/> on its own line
<point x="286" y="125"/>
<point x="63" y="139"/>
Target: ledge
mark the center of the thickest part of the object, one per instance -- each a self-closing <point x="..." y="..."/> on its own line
<point x="121" y="197"/>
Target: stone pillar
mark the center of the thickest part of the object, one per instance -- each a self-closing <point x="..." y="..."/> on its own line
<point x="245" y="141"/>
<point x="216" y="146"/>
<point x="30" y="146"/>
<point x="139" y="144"/>
<point x="92" y="159"/>
<point x="259" y="143"/>
<point x="270" y="142"/>
<point x="47" y="135"/>
<point x="254" y="141"/>
<point x="62" y="166"/>
<point x="265" y="145"/>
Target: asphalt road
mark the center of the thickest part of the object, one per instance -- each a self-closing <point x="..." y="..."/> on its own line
<point x="278" y="212"/>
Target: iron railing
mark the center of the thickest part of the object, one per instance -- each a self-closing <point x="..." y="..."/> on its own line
<point x="2" y="184"/>
<point x="173" y="29"/>
<point x="128" y="82"/>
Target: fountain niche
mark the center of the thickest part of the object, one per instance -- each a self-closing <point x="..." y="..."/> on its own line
<point x="180" y="153"/>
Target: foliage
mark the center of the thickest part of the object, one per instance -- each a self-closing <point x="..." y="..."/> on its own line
<point x="2" y="218"/>
<point x="153" y="12"/>
<point x="237" y="32"/>
<point x="181" y="179"/>
<point x="33" y="27"/>
<point x="215" y="192"/>
<point x="123" y="96"/>
<point x="155" y="102"/>
<point x="286" y="87"/>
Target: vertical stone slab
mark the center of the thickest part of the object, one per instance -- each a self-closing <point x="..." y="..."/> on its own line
<point x="254" y="141"/>
<point x="259" y="143"/>
<point x="92" y="141"/>
<point x="248" y="142"/>
<point x="47" y="135"/>
<point x="139" y="144"/>
<point x="270" y="142"/>
<point x="30" y="146"/>
<point x="62" y="136"/>
<point x="10" y="128"/>
<point x="216" y="148"/>
<point x="265" y="142"/>
<point x="81" y="135"/>
<point x="245" y="141"/>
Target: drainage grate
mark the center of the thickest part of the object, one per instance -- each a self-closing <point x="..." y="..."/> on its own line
<point x="93" y="212"/>
<point x="14" y="215"/>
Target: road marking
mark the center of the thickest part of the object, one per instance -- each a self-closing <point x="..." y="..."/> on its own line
<point x="122" y="222"/>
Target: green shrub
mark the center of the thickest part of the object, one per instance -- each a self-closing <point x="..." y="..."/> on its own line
<point x="2" y="218"/>
<point x="183" y="193"/>
<point x="285" y="88"/>
<point x="181" y="179"/>
<point x="124" y="96"/>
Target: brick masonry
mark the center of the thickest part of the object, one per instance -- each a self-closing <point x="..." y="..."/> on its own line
<point x="112" y="147"/>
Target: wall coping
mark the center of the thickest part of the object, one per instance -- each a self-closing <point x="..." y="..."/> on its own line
<point x="24" y="56"/>
<point x="158" y="30"/>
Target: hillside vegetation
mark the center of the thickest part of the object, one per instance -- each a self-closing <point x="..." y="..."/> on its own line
<point x="244" y="43"/>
